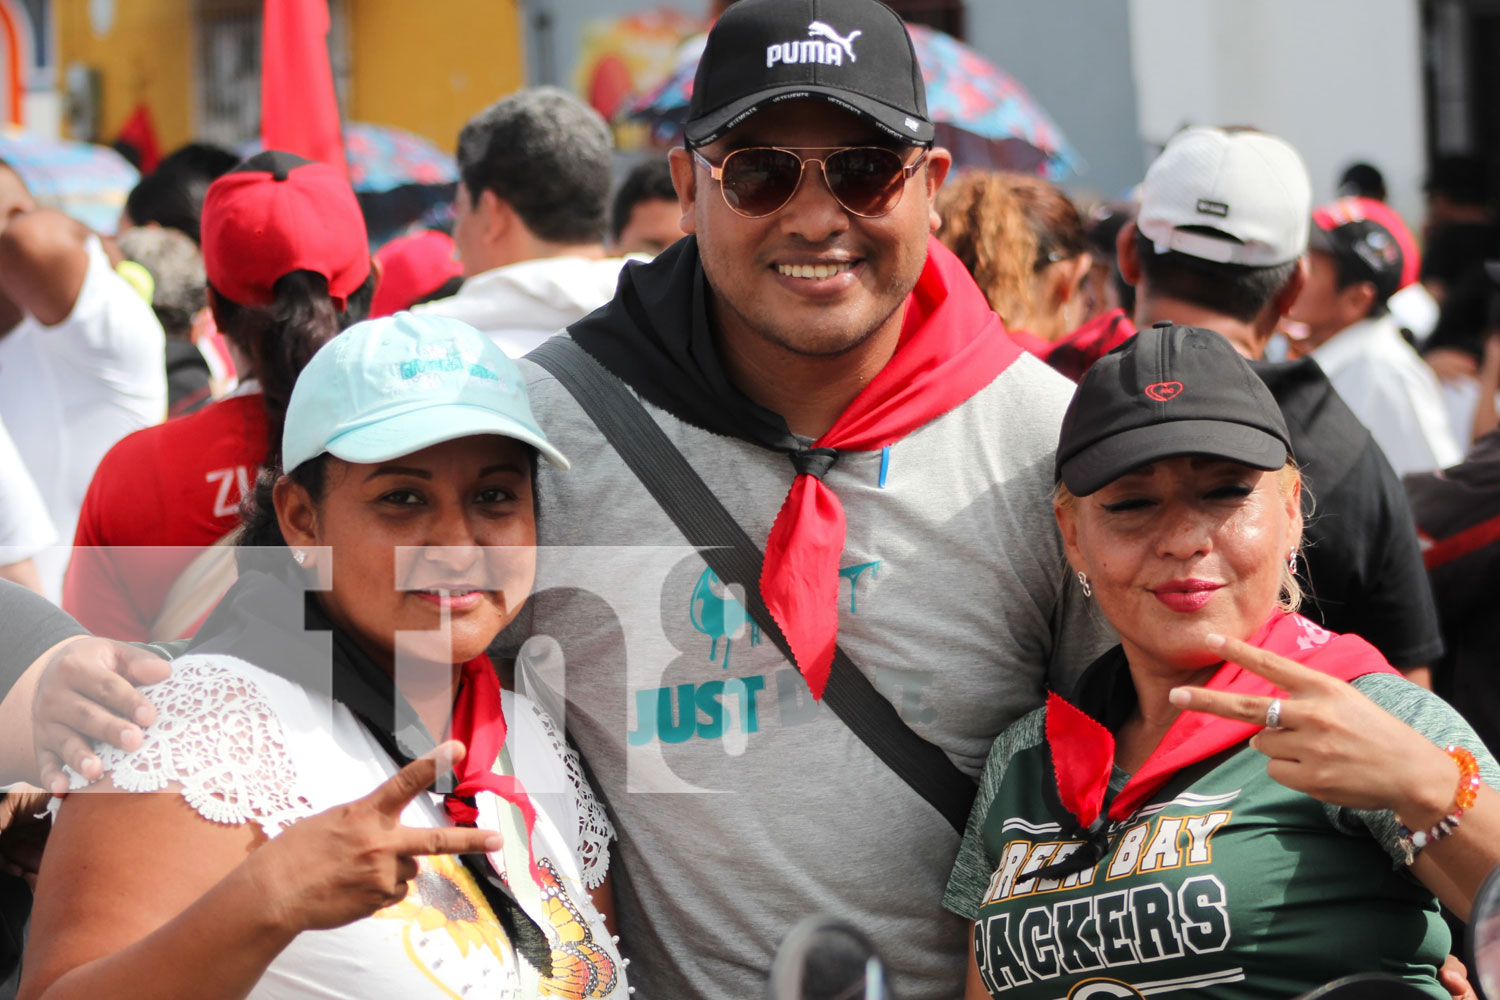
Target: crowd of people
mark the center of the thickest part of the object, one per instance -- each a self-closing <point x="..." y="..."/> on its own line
<point x="1077" y="600"/>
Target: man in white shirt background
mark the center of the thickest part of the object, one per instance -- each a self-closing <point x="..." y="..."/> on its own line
<point x="1360" y="254"/>
<point x="529" y="218"/>
<point x="82" y="357"/>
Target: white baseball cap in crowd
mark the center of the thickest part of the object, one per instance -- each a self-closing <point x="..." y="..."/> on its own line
<point x="1234" y="196"/>
<point x="392" y="386"/>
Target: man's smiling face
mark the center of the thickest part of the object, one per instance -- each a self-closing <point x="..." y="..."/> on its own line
<point x="811" y="278"/>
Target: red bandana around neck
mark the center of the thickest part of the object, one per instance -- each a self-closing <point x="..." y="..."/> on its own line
<point x="479" y="723"/>
<point x="952" y="345"/>
<point x="1083" y="751"/>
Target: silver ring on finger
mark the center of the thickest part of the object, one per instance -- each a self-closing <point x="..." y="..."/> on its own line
<point x="1273" y="714"/>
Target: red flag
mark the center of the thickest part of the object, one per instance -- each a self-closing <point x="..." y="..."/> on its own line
<point x="299" y="112"/>
<point x="139" y="132"/>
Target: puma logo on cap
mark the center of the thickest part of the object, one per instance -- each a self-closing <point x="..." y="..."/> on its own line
<point x="814" y="49"/>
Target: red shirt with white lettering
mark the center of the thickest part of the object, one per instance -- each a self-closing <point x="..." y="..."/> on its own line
<point x="176" y="487"/>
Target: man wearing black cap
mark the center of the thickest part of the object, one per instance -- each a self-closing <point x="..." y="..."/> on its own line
<point x="833" y="375"/>
<point x="1360" y="254"/>
<point x="841" y="386"/>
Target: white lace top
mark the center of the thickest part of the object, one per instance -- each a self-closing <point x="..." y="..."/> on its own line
<point x="246" y="746"/>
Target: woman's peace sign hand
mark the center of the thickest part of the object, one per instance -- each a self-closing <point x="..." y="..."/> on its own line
<point x="349" y="861"/>
<point x="1331" y="742"/>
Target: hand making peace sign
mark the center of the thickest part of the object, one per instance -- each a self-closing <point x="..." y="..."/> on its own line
<point x="1332" y="742"/>
<point x="349" y="861"/>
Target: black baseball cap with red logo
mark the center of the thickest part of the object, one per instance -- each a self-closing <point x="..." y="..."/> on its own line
<point x="1166" y="392"/>
<point x="854" y="54"/>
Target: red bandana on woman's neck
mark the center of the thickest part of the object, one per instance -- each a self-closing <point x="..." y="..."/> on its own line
<point x="1083" y="751"/>
<point x="952" y="345"/>
<point x="479" y="723"/>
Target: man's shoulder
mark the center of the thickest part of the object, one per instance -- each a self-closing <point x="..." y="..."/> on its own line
<point x="1027" y="400"/>
<point x="1328" y="440"/>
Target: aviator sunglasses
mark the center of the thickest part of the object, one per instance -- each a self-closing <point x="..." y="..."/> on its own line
<point x="759" y="180"/>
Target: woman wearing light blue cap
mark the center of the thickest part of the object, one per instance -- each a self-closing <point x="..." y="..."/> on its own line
<point x="302" y="726"/>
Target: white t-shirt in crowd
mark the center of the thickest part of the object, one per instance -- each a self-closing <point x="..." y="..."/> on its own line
<point x="1393" y="392"/>
<point x="520" y="305"/>
<point x="68" y="392"/>
<point x="25" y="528"/>
<point x="246" y="746"/>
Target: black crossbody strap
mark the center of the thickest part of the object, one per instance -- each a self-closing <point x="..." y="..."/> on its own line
<point x="735" y="559"/>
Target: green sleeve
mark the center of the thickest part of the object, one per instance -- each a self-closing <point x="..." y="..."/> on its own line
<point x="974" y="866"/>
<point x="1433" y="718"/>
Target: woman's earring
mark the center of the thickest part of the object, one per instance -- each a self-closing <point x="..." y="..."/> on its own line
<point x="1083" y="581"/>
<point x="300" y="556"/>
<point x="1291" y="562"/>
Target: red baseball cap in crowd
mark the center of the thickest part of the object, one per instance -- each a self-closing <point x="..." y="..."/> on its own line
<point x="412" y="268"/>
<point x="1371" y="237"/>
<point x="277" y="213"/>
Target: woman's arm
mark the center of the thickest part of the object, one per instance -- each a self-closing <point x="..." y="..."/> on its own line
<point x="161" y="907"/>
<point x="169" y="906"/>
<point x="1340" y="747"/>
<point x="1454" y="868"/>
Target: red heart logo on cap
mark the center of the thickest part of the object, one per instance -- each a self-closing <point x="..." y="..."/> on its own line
<point x="1163" y="391"/>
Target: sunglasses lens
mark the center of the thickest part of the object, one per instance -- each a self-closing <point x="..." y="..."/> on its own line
<point x="760" y="180"/>
<point x="866" y="180"/>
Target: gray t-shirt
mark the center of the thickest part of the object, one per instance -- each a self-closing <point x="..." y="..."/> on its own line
<point x="743" y="806"/>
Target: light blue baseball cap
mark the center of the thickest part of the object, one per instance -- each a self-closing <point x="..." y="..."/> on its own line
<point x="391" y="386"/>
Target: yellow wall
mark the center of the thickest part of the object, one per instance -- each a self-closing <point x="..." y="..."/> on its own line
<point x="146" y="57"/>
<point x="423" y="65"/>
<point x="428" y="65"/>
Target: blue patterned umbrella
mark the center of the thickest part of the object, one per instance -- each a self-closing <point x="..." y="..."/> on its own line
<point x="983" y="114"/>
<point x="383" y="158"/>
<point x="86" y="181"/>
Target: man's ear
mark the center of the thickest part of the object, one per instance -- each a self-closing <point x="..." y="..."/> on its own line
<point x="496" y="217"/>
<point x="1285" y="298"/>
<point x="1360" y="297"/>
<point x="685" y="182"/>
<point x="1126" y="257"/>
<point x="939" y="163"/>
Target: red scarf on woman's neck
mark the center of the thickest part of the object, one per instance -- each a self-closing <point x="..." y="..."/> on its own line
<point x="1083" y="751"/>
<point x="479" y="723"/>
<point x="952" y="345"/>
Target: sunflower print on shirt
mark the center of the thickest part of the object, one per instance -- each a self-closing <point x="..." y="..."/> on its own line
<point x="444" y="901"/>
<point x="581" y="969"/>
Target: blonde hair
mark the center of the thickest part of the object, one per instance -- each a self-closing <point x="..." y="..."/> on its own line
<point x="1288" y="477"/>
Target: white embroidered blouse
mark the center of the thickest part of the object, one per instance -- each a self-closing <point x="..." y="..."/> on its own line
<point x="246" y="746"/>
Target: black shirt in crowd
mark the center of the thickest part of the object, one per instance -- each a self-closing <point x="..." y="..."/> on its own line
<point x="1362" y="565"/>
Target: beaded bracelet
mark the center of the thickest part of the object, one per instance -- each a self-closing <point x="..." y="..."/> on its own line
<point x="1412" y="842"/>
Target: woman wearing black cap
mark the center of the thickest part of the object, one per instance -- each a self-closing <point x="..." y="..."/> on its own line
<point x="1236" y="802"/>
